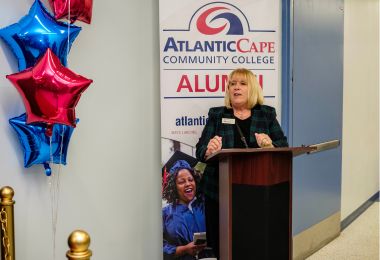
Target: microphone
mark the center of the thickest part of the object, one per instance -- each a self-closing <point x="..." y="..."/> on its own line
<point x="242" y="137"/>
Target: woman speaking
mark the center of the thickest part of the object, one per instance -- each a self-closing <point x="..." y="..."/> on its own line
<point x="244" y="122"/>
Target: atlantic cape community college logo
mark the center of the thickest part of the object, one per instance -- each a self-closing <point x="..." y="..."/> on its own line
<point x="218" y="36"/>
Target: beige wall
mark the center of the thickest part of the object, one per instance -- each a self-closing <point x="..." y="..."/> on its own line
<point x="360" y="164"/>
<point x="111" y="185"/>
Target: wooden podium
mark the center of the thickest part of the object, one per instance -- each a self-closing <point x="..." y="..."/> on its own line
<point x="255" y="198"/>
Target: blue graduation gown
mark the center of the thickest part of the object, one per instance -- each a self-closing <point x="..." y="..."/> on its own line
<point x="180" y="222"/>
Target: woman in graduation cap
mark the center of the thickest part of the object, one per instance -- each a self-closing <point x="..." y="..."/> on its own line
<point x="184" y="214"/>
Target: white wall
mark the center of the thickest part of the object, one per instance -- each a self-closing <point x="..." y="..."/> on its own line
<point x="111" y="185"/>
<point x="360" y="167"/>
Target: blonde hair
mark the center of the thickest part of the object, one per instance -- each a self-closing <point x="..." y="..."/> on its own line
<point x="255" y="92"/>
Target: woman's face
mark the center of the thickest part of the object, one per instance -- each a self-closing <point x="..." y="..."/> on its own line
<point x="186" y="186"/>
<point x="238" y="91"/>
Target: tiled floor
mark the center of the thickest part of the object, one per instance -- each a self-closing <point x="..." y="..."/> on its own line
<point x="359" y="241"/>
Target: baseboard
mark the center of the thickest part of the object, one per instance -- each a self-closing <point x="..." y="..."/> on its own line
<point x="354" y="215"/>
<point x="317" y="236"/>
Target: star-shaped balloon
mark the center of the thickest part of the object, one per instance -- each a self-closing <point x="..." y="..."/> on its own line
<point x="78" y="10"/>
<point x="39" y="148"/>
<point x="50" y="91"/>
<point x="37" y="31"/>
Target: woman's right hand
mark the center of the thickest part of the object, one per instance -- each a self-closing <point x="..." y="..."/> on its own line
<point x="214" y="145"/>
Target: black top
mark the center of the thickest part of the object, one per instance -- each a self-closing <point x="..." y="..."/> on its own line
<point x="245" y="129"/>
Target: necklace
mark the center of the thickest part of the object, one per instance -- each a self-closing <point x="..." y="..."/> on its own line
<point x="244" y="114"/>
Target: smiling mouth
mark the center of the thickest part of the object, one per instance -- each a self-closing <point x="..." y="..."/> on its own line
<point x="189" y="191"/>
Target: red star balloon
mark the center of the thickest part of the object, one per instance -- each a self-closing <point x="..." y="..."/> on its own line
<point x="50" y="91"/>
<point x="72" y="10"/>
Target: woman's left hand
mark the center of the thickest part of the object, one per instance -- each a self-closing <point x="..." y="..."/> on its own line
<point x="263" y="140"/>
<point x="190" y="249"/>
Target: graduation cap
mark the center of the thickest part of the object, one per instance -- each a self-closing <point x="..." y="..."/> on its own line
<point x="178" y="155"/>
<point x="173" y="161"/>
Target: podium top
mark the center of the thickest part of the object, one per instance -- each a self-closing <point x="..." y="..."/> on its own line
<point x="295" y="151"/>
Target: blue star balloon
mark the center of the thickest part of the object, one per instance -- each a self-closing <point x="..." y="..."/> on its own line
<point x="38" y="149"/>
<point x="37" y="31"/>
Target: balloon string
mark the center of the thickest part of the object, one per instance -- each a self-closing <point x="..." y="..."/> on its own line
<point x="56" y="192"/>
<point x="51" y="149"/>
<point x="68" y="30"/>
<point x="61" y="150"/>
<point x="51" y="180"/>
<point x="52" y="195"/>
<point x="54" y="187"/>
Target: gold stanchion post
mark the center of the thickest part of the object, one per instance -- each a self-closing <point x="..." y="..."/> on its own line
<point x="79" y="241"/>
<point x="7" y="223"/>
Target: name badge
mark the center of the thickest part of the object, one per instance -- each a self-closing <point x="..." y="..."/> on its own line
<point x="228" y="121"/>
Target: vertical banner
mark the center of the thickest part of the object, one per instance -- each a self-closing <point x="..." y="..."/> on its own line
<point x="201" y="42"/>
